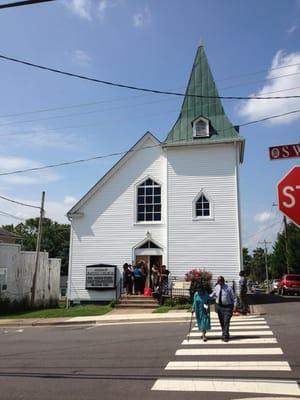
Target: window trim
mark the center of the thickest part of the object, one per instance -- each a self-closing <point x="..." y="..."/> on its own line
<point x="135" y="203"/>
<point x="206" y="130"/>
<point x="211" y="207"/>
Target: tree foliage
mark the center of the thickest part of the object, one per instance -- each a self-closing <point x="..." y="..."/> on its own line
<point x="286" y="253"/>
<point x="55" y="238"/>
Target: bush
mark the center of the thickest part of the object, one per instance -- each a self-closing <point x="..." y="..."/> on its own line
<point x="199" y="276"/>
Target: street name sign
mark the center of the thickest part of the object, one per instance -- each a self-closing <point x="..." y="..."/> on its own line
<point x="284" y="151"/>
<point x="288" y="190"/>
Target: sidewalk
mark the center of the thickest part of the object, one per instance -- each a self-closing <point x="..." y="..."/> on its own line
<point x="113" y="317"/>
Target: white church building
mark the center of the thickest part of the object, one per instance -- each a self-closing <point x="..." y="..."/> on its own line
<point x="174" y="202"/>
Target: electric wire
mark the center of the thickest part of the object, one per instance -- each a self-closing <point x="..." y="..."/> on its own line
<point x="5" y="214"/>
<point x="18" y="202"/>
<point x="121" y="153"/>
<point x="141" y="89"/>
<point x="23" y="3"/>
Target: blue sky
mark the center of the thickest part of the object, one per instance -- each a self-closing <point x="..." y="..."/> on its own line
<point x="150" y="44"/>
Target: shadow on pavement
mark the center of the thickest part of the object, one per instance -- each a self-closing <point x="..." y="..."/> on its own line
<point x="263" y="298"/>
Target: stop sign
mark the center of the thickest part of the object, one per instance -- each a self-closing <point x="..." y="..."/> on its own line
<point x="289" y="195"/>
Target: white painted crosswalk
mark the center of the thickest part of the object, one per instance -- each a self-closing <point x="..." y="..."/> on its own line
<point x="252" y="348"/>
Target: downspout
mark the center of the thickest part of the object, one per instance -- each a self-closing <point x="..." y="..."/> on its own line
<point x="237" y="158"/>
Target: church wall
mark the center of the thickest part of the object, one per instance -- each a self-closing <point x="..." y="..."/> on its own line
<point x="108" y="231"/>
<point x="213" y="243"/>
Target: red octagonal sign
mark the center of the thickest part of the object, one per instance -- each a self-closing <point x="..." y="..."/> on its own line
<point x="289" y="195"/>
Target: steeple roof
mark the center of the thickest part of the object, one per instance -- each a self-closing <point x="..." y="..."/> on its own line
<point x="201" y="83"/>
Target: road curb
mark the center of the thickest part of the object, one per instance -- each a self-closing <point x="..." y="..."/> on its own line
<point x="257" y="310"/>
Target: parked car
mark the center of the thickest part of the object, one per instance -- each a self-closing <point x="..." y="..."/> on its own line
<point x="289" y="284"/>
<point x="273" y="285"/>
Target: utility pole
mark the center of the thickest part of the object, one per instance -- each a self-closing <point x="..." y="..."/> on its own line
<point x="266" y="262"/>
<point x="38" y="245"/>
<point x="286" y="245"/>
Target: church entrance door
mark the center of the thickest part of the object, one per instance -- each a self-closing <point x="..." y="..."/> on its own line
<point x="150" y="262"/>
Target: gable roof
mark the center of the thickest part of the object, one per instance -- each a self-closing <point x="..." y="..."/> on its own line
<point x="138" y="146"/>
<point x="7" y="234"/>
<point x="201" y="82"/>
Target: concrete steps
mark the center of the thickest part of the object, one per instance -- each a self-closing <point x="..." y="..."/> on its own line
<point x="136" y="302"/>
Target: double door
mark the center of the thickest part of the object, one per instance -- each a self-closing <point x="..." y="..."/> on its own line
<point x="149" y="261"/>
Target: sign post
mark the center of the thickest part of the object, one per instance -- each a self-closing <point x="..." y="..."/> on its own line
<point x="288" y="190"/>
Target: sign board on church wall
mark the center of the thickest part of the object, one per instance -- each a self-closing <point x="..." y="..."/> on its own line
<point x="100" y="276"/>
<point x="284" y="151"/>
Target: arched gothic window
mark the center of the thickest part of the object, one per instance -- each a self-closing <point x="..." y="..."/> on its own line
<point x="202" y="206"/>
<point x="149" y="201"/>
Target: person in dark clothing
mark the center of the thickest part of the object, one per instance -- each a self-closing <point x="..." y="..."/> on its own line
<point x="127" y="279"/>
<point x="224" y="305"/>
<point x="138" y="279"/>
<point x="243" y="293"/>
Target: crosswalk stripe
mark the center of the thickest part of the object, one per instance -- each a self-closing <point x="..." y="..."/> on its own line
<point x="278" y="387"/>
<point x="228" y="351"/>
<point x="235" y="327"/>
<point x="242" y="323"/>
<point x="246" y="333"/>
<point x="233" y="340"/>
<point x="238" y="319"/>
<point x="229" y="365"/>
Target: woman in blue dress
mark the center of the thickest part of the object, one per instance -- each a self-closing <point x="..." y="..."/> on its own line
<point x="201" y="309"/>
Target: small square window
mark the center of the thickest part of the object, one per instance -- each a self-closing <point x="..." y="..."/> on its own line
<point x="149" y="191"/>
<point x="141" y="199"/>
<point x="141" y="217"/>
<point x="149" y="199"/>
<point x="157" y="216"/>
<point x="149" y="217"/>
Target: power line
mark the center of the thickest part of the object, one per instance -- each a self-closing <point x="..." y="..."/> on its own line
<point x="18" y="202"/>
<point x="257" y="72"/>
<point x="95" y="111"/>
<point x="11" y="216"/>
<point x="23" y="3"/>
<point x="262" y="230"/>
<point x="82" y="113"/>
<point x="124" y="152"/>
<point x="141" y="89"/>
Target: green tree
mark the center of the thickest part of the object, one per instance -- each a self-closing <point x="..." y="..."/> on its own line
<point x="55" y="238"/>
<point x="281" y="257"/>
<point x="258" y="267"/>
<point x="246" y="261"/>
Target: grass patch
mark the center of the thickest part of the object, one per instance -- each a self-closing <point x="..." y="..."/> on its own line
<point x="167" y="308"/>
<point x="61" y="311"/>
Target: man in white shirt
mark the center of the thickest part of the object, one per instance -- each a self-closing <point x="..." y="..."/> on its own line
<point x="224" y="305"/>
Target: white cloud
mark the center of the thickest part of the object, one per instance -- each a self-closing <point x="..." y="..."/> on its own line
<point x="8" y="164"/>
<point x="81" y="58"/>
<point x="69" y="200"/>
<point x="255" y="109"/>
<point x="142" y="18"/>
<point x="104" y="5"/>
<point x="81" y="8"/>
<point x="87" y="9"/>
<point x="263" y="216"/>
<point x="292" y="29"/>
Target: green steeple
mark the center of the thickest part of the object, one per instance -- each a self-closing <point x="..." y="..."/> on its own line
<point x="202" y="83"/>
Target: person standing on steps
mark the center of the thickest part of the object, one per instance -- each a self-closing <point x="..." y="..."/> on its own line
<point x="224" y="305"/>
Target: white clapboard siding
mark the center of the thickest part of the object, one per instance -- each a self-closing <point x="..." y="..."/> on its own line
<point x="107" y="232"/>
<point x="212" y="244"/>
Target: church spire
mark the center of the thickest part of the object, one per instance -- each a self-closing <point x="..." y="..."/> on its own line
<point x="201" y="82"/>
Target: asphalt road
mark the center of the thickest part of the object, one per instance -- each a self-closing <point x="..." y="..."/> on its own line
<point x="125" y="361"/>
